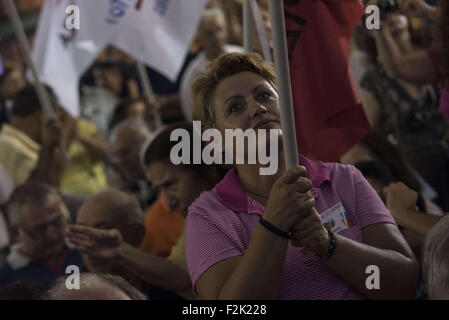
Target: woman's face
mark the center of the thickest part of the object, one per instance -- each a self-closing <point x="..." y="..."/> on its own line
<point x="245" y="101"/>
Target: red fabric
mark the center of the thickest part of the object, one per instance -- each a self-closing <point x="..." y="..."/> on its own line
<point x="329" y="116"/>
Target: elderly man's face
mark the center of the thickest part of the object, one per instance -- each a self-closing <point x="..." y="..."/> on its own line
<point x="111" y="210"/>
<point x="180" y="185"/>
<point x="94" y="215"/>
<point x="42" y="228"/>
<point x="212" y="35"/>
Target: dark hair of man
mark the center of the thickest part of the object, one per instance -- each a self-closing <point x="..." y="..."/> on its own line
<point x="21" y="290"/>
<point x="160" y="148"/>
<point x="26" y="102"/>
<point x="375" y="170"/>
<point x="34" y="193"/>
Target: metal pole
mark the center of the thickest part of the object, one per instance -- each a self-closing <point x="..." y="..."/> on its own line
<point x="284" y="85"/>
<point x="42" y="94"/>
<point x="248" y="26"/>
<point x="261" y="31"/>
<point x="148" y="91"/>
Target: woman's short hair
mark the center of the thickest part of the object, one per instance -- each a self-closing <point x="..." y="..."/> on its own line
<point x="227" y="65"/>
<point x="436" y="260"/>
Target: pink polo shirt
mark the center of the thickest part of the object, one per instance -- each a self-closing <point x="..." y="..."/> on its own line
<point x="220" y="224"/>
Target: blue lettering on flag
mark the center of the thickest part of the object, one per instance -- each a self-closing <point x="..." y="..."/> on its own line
<point x="161" y="7"/>
<point x="117" y="10"/>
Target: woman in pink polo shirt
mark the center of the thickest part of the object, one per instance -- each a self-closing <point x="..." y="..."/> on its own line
<point x="262" y="236"/>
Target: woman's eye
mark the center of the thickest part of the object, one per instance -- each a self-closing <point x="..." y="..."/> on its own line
<point x="235" y="107"/>
<point x="265" y="96"/>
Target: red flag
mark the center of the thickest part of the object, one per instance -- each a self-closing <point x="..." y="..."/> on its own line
<point x="329" y="116"/>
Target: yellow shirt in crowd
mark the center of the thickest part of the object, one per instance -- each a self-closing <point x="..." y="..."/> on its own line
<point x="84" y="176"/>
<point x="18" y="153"/>
<point x="19" y="156"/>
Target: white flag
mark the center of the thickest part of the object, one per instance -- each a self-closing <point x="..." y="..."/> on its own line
<point x="59" y="59"/>
<point x="155" y="32"/>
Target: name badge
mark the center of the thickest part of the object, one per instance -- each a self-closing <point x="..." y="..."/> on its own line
<point x="335" y="219"/>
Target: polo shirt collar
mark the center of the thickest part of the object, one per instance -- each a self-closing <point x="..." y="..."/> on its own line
<point x="231" y="193"/>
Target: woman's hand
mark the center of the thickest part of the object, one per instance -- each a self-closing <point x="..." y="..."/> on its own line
<point x="51" y="133"/>
<point x="290" y="199"/>
<point x="311" y="233"/>
<point x="417" y="8"/>
<point x="96" y="243"/>
<point x="400" y="200"/>
<point x="400" y="197"/>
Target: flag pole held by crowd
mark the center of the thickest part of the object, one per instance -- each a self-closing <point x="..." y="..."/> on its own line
<point x="24" y="46"/>
<point x="148" y="92"/>
<point x="42" y="93"/>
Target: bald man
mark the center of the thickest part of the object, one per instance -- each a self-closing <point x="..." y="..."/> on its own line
<point x="95" y="287"/>
<point x="118" y="216"/>
<point x="212" y="37"/>
<point x="127" y="141"/>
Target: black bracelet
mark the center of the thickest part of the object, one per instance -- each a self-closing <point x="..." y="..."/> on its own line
<point x="332" y="246"/>
<point x="274" y="229"/>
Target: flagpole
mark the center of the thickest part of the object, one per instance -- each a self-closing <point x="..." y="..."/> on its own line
<point x="148" y="91"/>
<point x="42" y="94"/>
<point x="248" y="26"/>
<point x="261" y="31"/>
<point x="281" y="64"/>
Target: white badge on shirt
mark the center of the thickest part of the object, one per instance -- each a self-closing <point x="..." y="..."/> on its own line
<point x="335" y="219"/>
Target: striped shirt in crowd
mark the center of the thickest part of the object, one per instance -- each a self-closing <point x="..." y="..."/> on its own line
<point x="220" y="224"/>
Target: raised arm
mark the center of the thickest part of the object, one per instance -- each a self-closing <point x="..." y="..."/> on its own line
<point x="401" y="201"/>
<point x="256" y="274"/>
<point x="108" y="245"/>
<point x="416" y="68"/>
<point x="383" y="246"/>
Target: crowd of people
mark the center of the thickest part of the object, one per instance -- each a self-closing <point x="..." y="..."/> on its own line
<point x="100" y="194"/>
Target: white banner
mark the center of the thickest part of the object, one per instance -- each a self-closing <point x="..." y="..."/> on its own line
<point x="59" y="61"/>
<point x="155" y="32"/>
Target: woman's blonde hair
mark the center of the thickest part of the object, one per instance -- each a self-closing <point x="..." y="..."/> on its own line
<point x="203" y="89"/>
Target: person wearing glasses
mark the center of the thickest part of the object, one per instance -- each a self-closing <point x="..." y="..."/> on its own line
<point x="37" y="217"/>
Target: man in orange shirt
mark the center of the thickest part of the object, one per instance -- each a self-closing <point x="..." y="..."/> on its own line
<point x="163" y="227"/>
